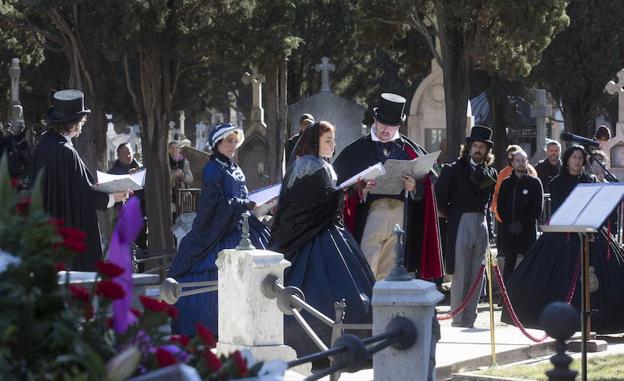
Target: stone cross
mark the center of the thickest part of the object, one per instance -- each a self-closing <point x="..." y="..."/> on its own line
<point x="613" y="88"/>
<point x="324" y="67"/>
<point x="540" y="111"/>
<point x="15" y="108"/>
<point x="255" y="79"/>
<point x="232" y="105"/>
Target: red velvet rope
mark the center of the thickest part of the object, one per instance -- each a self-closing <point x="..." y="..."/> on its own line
<point x="464" y="303"/>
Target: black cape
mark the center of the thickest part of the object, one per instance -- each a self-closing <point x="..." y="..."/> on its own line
<point x="360" y="155"/>
<point x="67" y="193"/>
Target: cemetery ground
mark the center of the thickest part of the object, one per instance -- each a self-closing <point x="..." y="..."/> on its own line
<point x="464" y="354"/>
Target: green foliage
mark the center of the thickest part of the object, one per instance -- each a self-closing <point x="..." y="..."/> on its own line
<point x="581" y="60"/>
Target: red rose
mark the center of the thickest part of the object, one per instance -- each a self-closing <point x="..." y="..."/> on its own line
<point x="59" y="266"/>
<point x="205" y="334"/>
<point x="22" y="205"/>
<point x="109" y="322"/>
<point x="136" y="312"/>
<point x="79" y="292"/>
<point x="152" y="304"/>
<point x="241" y="364"/>
<point x="212" y="361"/>
<point x="173" y="312"/>
<point x="109" y="289"/>
<point x="180" y="339"/>
<point x="165" y="358"/>
<point x="73" y="239"/>
<point x="109" y="269"/>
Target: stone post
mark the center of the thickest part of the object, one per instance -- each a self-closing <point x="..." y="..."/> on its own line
<point x="415" y="300"/>
<point x="247" y="319"/>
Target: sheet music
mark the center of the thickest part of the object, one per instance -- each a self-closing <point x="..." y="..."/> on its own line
<point x="601" y="205"/>
<point x="369" y="173"/>
<point x="108" y="183"/>
<point x="424" y="164"/>
<point x="392" y="182"/>
<point x="570" y="210"/>
<point x="266" y="194"/>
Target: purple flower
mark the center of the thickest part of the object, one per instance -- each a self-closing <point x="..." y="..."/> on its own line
<point x="126" y="231"/>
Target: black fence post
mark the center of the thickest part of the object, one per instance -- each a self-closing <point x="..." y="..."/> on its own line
<point x="561" y="321"/>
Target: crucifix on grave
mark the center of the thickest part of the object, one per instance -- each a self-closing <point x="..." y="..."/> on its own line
<point x="15" y="108"/>
<point x="616" y="88"/>
<point x="325" y="67"/>
<point x="255" y="79"/>
<point x="540" y="111"/>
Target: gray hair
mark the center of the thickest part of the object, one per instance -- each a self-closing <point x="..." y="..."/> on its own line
<point x="550" y="142"/>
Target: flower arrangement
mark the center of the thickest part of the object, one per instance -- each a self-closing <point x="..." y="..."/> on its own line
<point x="52" y="331"/>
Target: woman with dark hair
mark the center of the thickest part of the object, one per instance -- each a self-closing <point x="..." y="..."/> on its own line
<point x="216" y="227"/>
<point x="550" y="270"/>
<point x="327" y="264"/>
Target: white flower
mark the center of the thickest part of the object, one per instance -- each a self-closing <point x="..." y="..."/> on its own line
<point x="7" y="260"/>
<point x="123" y="365"/>
<point x="273" y="370"/>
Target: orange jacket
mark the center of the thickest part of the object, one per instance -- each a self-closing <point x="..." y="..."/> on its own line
<point x="502" y="175"/>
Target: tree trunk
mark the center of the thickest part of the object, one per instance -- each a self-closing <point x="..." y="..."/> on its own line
<point x="283" y="117"/>
<point x="155" y="102"/>
<point x="456" y="67"/>
<point x="498" y="103"/>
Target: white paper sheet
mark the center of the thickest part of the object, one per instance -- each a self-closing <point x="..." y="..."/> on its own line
<point x="391" y="183"/>
<point x="108" y="183"/>
<point x="266" y="194"/>
<point x="424" y="164"/>
<point x="589" y="205"/>
<point x="369" y="173"/>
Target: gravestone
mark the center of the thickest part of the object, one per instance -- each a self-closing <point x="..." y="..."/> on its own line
<point x="253" y="155"/>
<point x="201" y="136"/>
<point x="113" y="140"/>
<point x="614" y="147"/>
<point x="16" y="113"/>
<point x="343" y="113"/>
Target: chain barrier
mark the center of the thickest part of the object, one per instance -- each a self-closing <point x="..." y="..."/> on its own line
<point x="473" y="288"/>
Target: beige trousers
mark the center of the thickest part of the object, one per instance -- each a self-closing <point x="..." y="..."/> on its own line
<point x="378" y="240"/>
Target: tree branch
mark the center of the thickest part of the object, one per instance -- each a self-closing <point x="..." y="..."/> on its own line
<point x="417" y="21"/>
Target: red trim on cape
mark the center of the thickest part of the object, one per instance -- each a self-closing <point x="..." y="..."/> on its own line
<point x="431" y="259"/>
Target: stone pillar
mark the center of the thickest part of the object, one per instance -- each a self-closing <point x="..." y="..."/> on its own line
<point x="415" y="300"/>
<point x="247" y="319"/>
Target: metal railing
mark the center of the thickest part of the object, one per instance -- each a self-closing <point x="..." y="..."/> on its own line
<point x="350" y="353"/>
<point x="186" y="200"/>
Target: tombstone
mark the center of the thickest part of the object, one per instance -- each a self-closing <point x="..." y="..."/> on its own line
<point x="253" y="155"/>
<point x="134" y="139"/>
<point x="233" y="109"/>
<point x="343" y="113"/>
<point x="16" y="113"/>
<point x="614" y="148"/>
<point x="540" y="111"/>
<point x="426" y="121"/>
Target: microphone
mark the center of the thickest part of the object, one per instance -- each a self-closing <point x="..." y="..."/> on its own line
<point x="568" y="137"/>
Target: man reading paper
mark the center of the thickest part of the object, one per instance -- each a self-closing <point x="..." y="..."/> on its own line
<point x="372" y="217"/>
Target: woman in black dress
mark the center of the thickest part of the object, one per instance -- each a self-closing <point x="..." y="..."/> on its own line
<point x="550" y="270"/>
<point x="327" y="264"/>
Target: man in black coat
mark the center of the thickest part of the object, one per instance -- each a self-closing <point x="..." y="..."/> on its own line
<point x="549" y="167"/>
<point x="520" y="202"/>
<point x="305" y="121"/>
<point x="463" y="193"/>
<point x="66" y="183"/>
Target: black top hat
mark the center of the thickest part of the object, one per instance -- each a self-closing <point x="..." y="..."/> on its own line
<point x="389" y="110"/>
<point x="67" y="105"/>
<point x="480" y="134"/>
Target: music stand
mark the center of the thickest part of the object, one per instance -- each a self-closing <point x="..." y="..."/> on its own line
<point x="583" y="212"/>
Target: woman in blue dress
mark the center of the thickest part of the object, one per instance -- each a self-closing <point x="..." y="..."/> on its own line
<point x="216" y="227"/>
<point x="327" y="264"/>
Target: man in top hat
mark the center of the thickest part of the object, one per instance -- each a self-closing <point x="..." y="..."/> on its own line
<point x="305" y="121"/>
<point x="463" y="193"/>
<point x="372" y="217"/>
<point x="66" y="183"/>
